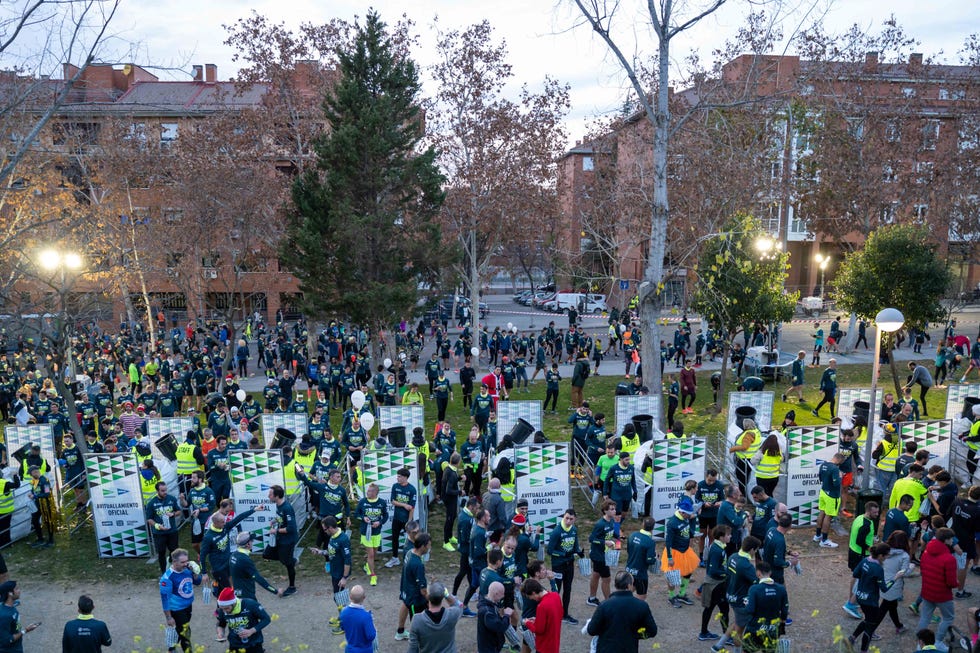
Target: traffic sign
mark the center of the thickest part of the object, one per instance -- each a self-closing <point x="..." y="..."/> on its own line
<point x="624" y="284"/>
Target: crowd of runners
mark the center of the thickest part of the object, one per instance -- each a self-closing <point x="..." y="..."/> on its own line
<point x="725" y="547"/>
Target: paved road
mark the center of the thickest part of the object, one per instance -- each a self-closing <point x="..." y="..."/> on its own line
<point x="796" y="335"/>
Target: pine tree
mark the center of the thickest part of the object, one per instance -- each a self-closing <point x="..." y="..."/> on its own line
<point x="362" y="233"/>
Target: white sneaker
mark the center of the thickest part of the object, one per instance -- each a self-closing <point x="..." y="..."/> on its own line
<point x="816" y="538"/>
<point x="829" y="544"/>
<point x="402" y="636"/>
<point x="394" y="562"/>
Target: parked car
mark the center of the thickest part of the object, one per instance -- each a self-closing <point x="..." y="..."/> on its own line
<point x="540" y="300"/>
<point x="595" y="303"/>
<point x="521" y="296"/>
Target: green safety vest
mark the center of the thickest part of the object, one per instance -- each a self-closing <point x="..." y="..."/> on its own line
<point x="889" y="455"/>
<point x="24" y="467"/>
<point x="6" y="498"/>
<point x="753" y="449"/>
<point x="768" y="467"/>
<point x="186" y="464"/>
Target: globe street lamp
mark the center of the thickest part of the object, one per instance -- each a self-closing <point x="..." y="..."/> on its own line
<point x="62" y="262"/>
<point x="888" y="320"/>
<point x="822" y="262"/>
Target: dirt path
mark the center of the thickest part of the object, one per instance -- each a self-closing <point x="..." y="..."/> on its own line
<point x="133" y="610"/>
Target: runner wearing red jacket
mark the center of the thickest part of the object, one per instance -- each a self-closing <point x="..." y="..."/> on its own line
<point x="546" y="622"/>
<point x="938" y="568"/>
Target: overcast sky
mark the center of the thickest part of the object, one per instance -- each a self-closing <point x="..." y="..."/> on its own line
<point x="539" y="34"/>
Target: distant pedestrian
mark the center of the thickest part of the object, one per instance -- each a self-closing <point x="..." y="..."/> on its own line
<point x="245" y="619"/>
<point x="547" y="619"/>
<point x="85" y="634"/>
<point x="828" y="386"/>
<point x="920" y="375"/>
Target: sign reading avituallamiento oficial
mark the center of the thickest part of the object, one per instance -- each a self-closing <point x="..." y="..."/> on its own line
<point x="675" y="461"/>
<point x="253" y="472"/>
<point x="117" y="505"/>
<point x="541" y="472"/>
<point x="809" y="447"/>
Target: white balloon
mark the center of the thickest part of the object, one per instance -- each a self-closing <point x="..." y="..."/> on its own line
<point x="510" y="325"/>
<point x="357" y="399"/>
<point x="513" y="329"/>
<point x="387" y="363"/>
<point x="240" y="395"/>
<point x="475" y="351"/>
<point x="367" y="421"/>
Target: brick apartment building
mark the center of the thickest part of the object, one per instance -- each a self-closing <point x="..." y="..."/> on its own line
<point x="160" y="113"/>
<point x="848" y="147"/>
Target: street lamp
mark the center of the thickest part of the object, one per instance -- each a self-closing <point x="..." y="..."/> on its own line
<point x="822" y="262"/>
<point x="63" y="262"/>
<point x="888" y="320"/>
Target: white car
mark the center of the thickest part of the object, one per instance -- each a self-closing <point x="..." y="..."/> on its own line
<point x="595" y="303"/>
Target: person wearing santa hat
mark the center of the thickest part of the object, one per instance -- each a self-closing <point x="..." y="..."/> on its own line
<point x="245" y="619"/>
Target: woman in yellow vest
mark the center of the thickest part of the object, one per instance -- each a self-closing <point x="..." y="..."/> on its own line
<point x="767" y="462"/>
<point x="149" y="477"/>
<point x="745" y="448"/>
<point x="885" y="456"/>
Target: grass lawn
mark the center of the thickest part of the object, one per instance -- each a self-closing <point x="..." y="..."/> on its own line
<point x="73" y="560"/>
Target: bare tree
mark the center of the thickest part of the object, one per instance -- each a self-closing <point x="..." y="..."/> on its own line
<point x="498" y="154"/>
<point x="36" y="38"/>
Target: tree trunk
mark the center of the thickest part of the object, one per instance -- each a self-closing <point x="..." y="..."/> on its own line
<point x="474" y="280"/>
<point x="723" y="386"/>
<point x="851" y="334"/>
<point x="127" y="300"/>
<point x="890" y="342"/>
<point x="650" y="299"/>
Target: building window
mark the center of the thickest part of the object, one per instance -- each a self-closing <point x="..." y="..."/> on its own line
<point x="952" y="94"/>
<point x="888" y="175"/>
<point x="803" y="143"/>
<point x="887" y="213"/>
<point x="908" y="92"/>
<point x="855" y="127"/>
<point x="588" y="163"/>
<point x="770" y="217"/>
<point x="173" y="216"/>
<point x="776" y="170"/>
<point x="930" y="134"/>
<point x="893" y="132"/>
<point x="168" y="133"/>
<point x="924" y="171"/>
<point x="173" y="260"/>
<point x="920" y="211"/>
<point x="136" y="132"/>
<point x="969" y="133"/>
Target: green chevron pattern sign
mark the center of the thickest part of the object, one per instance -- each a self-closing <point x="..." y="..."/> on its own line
<point x="381" y="468"/>
<point x="117" y="505"/>
<point x="253" y="472"/>
<point x="809" y="447"/>
<point x="934" y="436"/>
<point x="541" y="477"/>
<point x="675" y="461"/>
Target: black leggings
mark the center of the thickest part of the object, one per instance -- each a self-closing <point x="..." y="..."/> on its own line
<point x="464" y="571"/>
<point x="182" y="622"/>
<point x="684" y="399"/>
<point x="890" y="608"/>
<point x="165" y="543"/>
<point x="473" y="481"/>
<point x="828" y="398"/>
<point x="719" y="601"/>
<point x="567" y="571"/>
<point x="452" y="509"/>
<point x="743" y="470"/>
<point x="397" y="526"/>
<point x="552" y="396"/>
<point x="866" y="629"/>
<point x="768" y="484"/>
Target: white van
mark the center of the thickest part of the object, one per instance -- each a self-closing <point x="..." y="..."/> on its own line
<point x="566" y="300"/>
